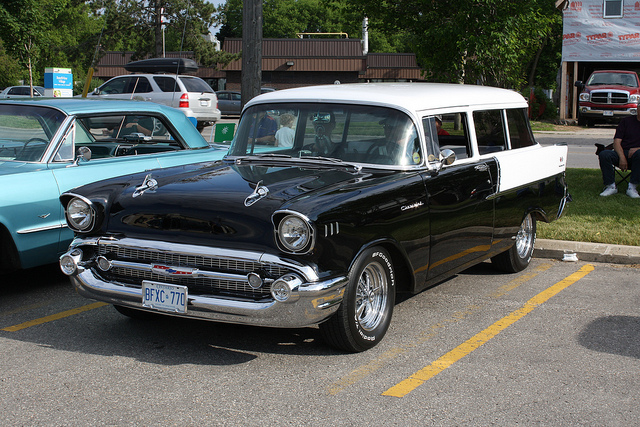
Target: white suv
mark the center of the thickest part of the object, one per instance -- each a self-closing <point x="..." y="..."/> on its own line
<point x="190" y="94"/>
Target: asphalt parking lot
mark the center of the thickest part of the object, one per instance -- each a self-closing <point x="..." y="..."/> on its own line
<point x="556" y="344"/>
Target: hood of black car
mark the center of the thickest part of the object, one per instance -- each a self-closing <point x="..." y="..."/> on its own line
<point x="226" y="203"/>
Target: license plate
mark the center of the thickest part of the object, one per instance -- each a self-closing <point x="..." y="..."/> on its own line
<point x="164" y="297"/>
<point x="607" y="113"/>
<point x="204" y="103"/>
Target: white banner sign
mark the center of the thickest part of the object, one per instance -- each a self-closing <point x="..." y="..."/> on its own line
<point x="589" y="37"/>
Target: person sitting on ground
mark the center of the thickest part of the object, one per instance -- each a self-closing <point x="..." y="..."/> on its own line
<point x="285" y="135"/>
<point x="626" y="152"/>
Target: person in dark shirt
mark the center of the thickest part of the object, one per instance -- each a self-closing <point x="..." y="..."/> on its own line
<point x="265" y="132"/>
<point x="625" y="154"/>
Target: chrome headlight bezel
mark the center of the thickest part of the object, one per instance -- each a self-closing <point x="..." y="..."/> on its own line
<point x="585" y="96"/>
<point x="294" y="232"/>
<point x="80" y="214"/>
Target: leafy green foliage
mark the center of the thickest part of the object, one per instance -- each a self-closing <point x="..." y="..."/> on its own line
<point x="473" y="41"/>
<point x="288" y="18"/>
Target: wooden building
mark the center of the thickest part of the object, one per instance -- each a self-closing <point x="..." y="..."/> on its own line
<point x="295" y="62"/>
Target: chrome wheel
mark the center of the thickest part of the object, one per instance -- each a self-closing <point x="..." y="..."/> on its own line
<point x="526" y="237"/>
<point x="371" y="296"/>
<point x="364" y="316"/>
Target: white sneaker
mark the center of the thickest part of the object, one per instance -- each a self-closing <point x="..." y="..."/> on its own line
<point x="610" y="190"/>
<point x="632" y="192"/>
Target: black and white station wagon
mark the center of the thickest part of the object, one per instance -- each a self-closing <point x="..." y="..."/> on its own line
<point x="330" y="201"/>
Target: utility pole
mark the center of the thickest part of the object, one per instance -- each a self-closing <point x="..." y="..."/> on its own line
<point x="251" y="76"/>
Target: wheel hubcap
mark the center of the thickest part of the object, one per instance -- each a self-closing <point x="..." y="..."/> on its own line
<point x="371" y="296"/>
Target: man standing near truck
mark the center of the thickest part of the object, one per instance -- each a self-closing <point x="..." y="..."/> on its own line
<point x="625" y="154"/>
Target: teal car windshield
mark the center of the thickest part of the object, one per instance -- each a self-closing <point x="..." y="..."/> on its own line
<point x="25" y="133"/>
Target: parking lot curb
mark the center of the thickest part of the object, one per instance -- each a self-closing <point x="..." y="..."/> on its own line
<point x="593" y="252"/>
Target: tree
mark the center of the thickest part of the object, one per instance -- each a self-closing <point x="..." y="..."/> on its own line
<point x="10" y="68"/>
<point x="473" y="41"/>
<point x="133" y="25"/>
<point x="48" y="33"/>
<point x="288" y="18"/>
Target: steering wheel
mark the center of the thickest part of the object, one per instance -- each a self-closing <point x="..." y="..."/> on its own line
<point x="44" y="141"/>
<point x="374" y="155"/>
<point x="26" y="155"/>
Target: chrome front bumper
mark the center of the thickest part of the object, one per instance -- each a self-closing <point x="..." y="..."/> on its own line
<point x="309" y="302"/>
<point x="594" y="112"/>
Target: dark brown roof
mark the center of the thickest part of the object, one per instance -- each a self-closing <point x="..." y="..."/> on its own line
<point x="302" y="48"/>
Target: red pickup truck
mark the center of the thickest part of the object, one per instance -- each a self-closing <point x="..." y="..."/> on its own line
<point x="607" y="96"/>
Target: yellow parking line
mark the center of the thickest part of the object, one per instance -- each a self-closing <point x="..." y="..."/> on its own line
<point x="371" y="367"/>
<point x="53" y="317"/>
<point x="414" y="381"/>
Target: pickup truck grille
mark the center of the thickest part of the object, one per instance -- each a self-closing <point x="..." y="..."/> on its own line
<point x="609" y="97"/>
<point x="144" y="259"/>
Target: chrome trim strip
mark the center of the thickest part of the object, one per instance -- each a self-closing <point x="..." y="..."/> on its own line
<point x="45" y="228"/>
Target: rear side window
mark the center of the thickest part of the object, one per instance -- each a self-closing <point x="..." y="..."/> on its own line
<point x="195" y="84"/>
<point x="167" y="84"/>
<point x="519" y="129"/>
<point x="490" y="132"/>
<point x="140" y="85"/>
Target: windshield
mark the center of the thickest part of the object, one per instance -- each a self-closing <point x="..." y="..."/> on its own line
<point x="26" y="131"/>
<point x="350" y="133"/>
<point x="621" y="79"/>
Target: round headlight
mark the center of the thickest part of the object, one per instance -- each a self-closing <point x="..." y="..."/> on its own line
<point x="80" y="216"/>
<point x="294" y="233"/>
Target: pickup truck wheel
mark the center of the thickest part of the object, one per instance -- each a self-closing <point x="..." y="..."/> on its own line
<point x="519" y="256"/>
<point x="365" y="313"/>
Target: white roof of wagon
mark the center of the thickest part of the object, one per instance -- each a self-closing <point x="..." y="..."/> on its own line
<point x="409" y="96"/>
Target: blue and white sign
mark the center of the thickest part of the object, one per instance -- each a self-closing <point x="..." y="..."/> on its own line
<point x="58" y="82"/>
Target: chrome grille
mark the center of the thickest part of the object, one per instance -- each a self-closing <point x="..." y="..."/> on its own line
<point x="609" y="97"/>
<point x="202" y="286"/>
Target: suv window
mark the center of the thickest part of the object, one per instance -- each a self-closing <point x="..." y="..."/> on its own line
<point x="519" y="129"/>
<point x="167" y="84"/>
<point x="490" y="133"/>
<point x="195" y="84"/>
<point x="129" y="84"/>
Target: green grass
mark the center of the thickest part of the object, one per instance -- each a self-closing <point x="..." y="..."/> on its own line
<point x="591" y="218"/>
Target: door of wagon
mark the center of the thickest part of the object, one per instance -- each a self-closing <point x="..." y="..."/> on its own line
<point x="460" y="208"/>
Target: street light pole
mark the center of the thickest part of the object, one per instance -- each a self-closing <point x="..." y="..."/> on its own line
<point x="251" y="76"/>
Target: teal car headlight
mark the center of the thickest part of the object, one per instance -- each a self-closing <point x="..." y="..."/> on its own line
<point x="80" y="214"/>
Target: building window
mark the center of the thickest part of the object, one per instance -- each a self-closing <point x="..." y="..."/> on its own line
<point x="613" y="8"/>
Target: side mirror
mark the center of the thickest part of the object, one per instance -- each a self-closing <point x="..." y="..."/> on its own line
<point x="447" y="157"/>
<point x="97" y="91"/>
<point x="579" y="84"/>
<point x="83" y="153"/>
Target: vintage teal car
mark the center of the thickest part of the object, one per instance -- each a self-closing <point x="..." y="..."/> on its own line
<point x="49" y="146"/>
